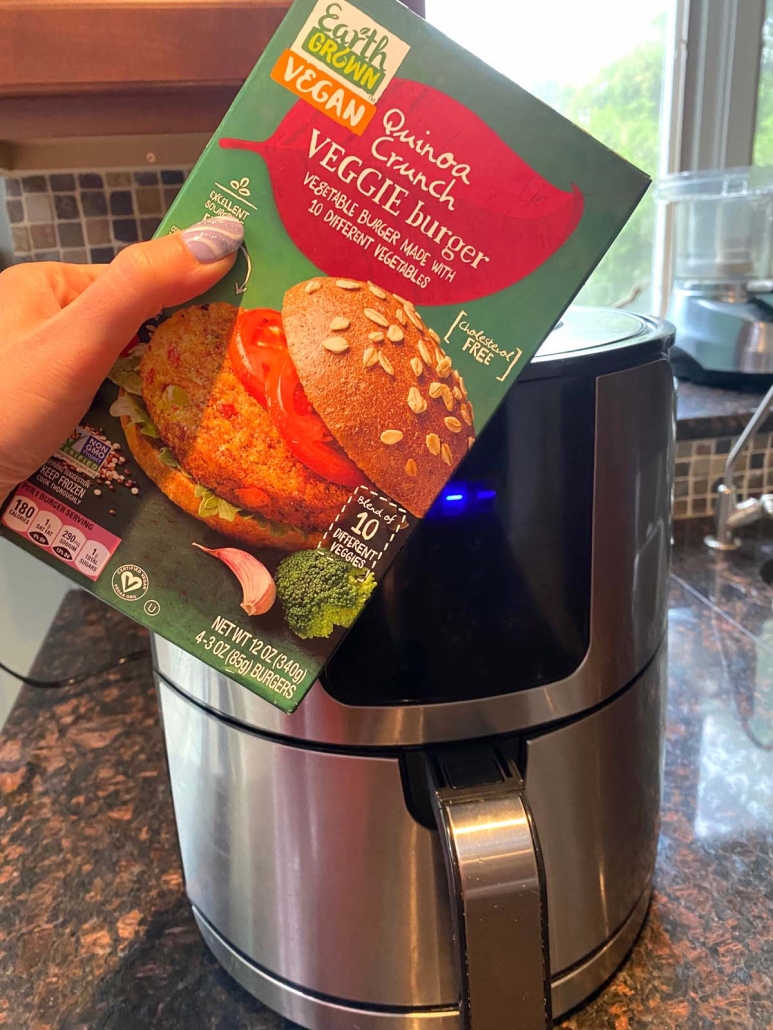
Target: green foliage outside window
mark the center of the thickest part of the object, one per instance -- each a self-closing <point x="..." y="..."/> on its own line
<point x="763" y="139"/>
<point x="621" y="108"/>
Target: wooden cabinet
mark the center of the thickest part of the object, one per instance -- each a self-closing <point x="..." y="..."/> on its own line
<point x="127" y="67"/>
<point x="97" y="68"/>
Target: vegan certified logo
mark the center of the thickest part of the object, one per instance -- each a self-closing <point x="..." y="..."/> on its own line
<point x="130" y="582"/>
<point x="341" y="62"/>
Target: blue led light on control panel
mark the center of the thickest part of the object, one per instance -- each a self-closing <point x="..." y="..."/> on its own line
<point x="463" y="499"/>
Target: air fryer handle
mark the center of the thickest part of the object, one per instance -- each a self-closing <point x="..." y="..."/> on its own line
<point x="499" y="908"/>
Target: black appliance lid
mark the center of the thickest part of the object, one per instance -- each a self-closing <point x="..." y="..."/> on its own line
<point x="598" y="340"/>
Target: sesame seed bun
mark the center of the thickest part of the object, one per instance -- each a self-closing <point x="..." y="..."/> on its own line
<point x="394" y="404"/>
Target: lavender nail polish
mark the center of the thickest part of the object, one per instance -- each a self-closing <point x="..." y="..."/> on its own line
<point x="214" y="238"/>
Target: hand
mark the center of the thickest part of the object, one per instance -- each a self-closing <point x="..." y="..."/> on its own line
<point x="63" y="326"/>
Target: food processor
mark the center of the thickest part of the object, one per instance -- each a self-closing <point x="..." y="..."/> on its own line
<point x="722" y="299"/>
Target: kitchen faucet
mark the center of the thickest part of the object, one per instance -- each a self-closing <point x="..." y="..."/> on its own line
<point x="732" y="514"/>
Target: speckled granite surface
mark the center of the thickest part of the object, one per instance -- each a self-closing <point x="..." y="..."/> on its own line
<point x="704" y="960"/>
<point x="705" y="411"/>
<point x="95" y="933"/>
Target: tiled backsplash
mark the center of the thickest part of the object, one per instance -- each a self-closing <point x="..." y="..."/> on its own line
<point x="87" y="216"/>
<point x="699" y="467"/>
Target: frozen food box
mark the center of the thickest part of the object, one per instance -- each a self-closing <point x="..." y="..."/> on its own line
<point x="414" y="226"/>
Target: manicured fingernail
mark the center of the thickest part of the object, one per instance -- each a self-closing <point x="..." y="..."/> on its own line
<point x="214" y="238"/>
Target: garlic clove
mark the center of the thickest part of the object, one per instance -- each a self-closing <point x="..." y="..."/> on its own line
<point x="258" y="586"/>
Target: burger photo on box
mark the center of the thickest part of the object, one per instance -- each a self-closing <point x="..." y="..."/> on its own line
<point x="262" y="423"/>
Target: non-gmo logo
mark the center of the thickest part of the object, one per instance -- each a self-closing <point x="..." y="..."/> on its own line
<point x="130" y="582"/>
<point x="96" y="450"/>
<point x="85" y="451"/>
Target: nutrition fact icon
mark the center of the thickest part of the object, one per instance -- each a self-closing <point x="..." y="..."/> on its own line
<point x="58" y="529"/>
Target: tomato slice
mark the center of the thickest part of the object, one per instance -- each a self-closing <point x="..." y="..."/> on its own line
<point x="257" y="344"/>
<point x="303" y="430"/>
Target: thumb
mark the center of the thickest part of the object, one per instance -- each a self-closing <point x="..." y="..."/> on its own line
<point x="141" y="281"/>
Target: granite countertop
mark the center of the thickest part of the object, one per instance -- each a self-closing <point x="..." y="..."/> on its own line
<point x="706" y="411"/>
<point x="95" y="932"/>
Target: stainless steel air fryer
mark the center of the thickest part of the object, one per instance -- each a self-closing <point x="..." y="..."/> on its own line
<point x="457" y="829"/>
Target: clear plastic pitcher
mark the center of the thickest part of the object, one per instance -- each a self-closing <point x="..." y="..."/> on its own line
<point x="723" y="223"/>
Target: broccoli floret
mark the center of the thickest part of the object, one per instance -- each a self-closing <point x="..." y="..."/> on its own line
<point x="319" y="590"/>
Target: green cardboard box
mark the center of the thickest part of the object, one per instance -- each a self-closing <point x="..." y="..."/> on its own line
<point x="414" y="226"/>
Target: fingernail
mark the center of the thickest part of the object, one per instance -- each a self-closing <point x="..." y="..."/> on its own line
<point x="214" y="238"/>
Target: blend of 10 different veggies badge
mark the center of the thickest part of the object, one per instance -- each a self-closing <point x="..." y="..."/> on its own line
<point x="414" y="226"/>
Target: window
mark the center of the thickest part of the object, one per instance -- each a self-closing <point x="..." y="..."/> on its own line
<point x="600" y="63"/>
<point x="763" y="136"/>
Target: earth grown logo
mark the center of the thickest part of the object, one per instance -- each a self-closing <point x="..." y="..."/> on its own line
<point x="354" y="47"/>
<point x="359" y="55"/>
<point x="340" y="63"/>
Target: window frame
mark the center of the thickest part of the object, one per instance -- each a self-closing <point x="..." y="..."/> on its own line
<point x="709" y="106"/>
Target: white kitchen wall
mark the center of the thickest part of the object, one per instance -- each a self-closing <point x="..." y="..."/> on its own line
<point x="30" y="595"/>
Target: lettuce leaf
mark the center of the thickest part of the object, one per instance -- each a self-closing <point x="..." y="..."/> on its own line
<point x="168" y="458"/>
<point x="126" y="371"/>
<point x="211" y="505"/>
<point x="133" y="408"/>
<point x="226" y="510"/>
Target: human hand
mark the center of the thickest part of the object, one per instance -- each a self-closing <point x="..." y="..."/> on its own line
<point x="63" y="326"/>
